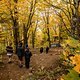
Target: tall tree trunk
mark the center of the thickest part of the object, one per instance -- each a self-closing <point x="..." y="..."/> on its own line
<point x="25" y="35"/>
<point x="60" y="27"/>
<point x="75" y="19"/>
<point x="33" y="34"/>
<point x="48" y="33"/>
<point x="73" y="28"/>
<point x="29" y="21"/>
<point x="15" y="27"/>
<point x="78" y="18"/>
<point x="16" y="35"/>
<point x="26" y="27"/>
<point x="78" y="28"/>
<point x="33" y="39"/>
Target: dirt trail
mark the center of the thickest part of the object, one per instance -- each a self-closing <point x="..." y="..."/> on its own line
<point x="13" y="72"/>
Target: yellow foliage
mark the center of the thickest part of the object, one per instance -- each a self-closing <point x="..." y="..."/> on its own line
<point x="64" y="63"/>
<point x="77" y="68"/>
<point x="70" y="45"/>
<point x="65" y="53"/>
<point x="72" y="42"/>
<point x="76" y="61"/>
<point x="61" y="79"/>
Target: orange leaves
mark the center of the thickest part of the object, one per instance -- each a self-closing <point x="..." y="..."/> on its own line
<point x="61" y="79"/>
<point x="72" y="58"/>
<point x="77" y="68"/>
<point x="76" y="61"/>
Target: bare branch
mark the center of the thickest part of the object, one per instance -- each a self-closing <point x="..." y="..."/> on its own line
<point x="62" y="9"/>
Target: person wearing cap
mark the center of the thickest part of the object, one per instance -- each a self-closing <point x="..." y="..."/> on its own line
<point x="28" y="55"/>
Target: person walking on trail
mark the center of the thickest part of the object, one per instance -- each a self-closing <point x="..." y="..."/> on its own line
<point x="28" y="55"/>
<point x="20" y="54"/>
<point x="26" y="46"/>
<point x="9" y="50"/>
<point x="47" y="49"/>
<point x="41" y="50"/>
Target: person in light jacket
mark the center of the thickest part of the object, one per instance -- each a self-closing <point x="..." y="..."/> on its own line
<point x="9" y="50"/>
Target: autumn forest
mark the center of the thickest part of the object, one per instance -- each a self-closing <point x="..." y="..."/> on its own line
<point x="47" y="29"/>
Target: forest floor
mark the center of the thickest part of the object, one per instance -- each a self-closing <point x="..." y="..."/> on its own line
<point x="38" y="61"/>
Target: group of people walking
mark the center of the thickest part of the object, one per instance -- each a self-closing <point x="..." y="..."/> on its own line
<point x="47" y="49"/>
<point x="21" y="53"/>
<point x="26" y="53"/>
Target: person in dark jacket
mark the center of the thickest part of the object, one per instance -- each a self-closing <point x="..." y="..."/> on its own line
<point x="20" y="54"/>
<point x="47" y="49"/>
<point x="28" y="55"/>
<point x="9" y="50"/>
<point x="41" y="50"/>
<point x="26" y="46"/>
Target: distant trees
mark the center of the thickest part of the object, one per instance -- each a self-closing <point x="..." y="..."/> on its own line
<point x="28" y="23"/>
<point x="69" y="15"/>
<point x="19" y="17"/>
<point x="46" y="18"/>
<point x="14" y="16"/>
<point x="10" y="16"/>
